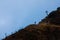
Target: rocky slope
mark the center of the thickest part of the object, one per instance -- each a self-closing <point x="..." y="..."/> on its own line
<point x="47" y="29"/>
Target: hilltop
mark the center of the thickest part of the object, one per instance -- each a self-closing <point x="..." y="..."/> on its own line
<point x="47" y="29"/>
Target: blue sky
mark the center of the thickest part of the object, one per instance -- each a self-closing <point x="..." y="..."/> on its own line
<point x="16" y="14"/>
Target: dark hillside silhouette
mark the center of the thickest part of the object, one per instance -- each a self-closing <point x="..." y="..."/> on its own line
<point x="55" y="16"/>
<point x="47" y="29"/>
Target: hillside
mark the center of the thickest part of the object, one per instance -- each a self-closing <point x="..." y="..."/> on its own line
<point x="47" y="29"/>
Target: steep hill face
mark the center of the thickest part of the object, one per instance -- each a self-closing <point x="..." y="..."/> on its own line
<point x="47" y="29"/>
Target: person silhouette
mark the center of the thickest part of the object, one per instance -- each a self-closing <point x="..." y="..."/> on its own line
<point x="46" y="13"/>
<point x="35" y="22"/>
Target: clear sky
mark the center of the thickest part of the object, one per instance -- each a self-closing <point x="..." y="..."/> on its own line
<point x="16" y="14"/>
